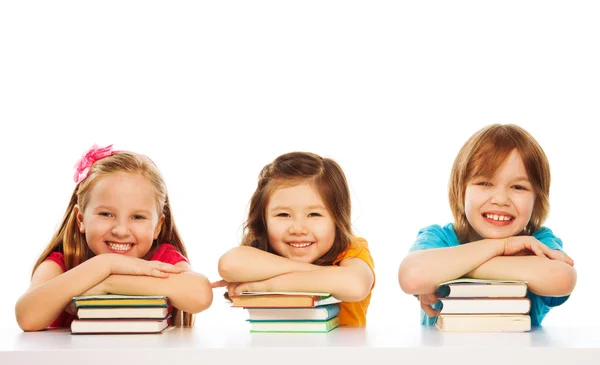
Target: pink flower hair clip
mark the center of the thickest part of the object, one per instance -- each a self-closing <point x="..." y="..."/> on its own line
<point x="83" y="166"/>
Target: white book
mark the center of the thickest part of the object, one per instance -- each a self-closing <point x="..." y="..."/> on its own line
<point x="484" y="323"/>
<point x="485" y="305"/>
<point x="108" y="326"/>
<point x="123" y="312"/>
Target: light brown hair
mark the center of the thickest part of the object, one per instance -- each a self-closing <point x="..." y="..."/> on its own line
<point x="295" y="168"/>
<point x="68" y="240"/>
<point x="482" y="154"/>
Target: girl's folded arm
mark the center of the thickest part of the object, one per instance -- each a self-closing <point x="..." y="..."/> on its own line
<point x="544" y="277"/>
<point x="51" y="291"/>
<point x="188" y="291"/>
<point x="244" y="264"/>
<point x="350" y="282"/>
<point x="422" y="271"/>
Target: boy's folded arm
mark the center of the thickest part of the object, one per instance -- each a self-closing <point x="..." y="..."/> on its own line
<point x="51" y="291"/>
<point x="188" y="291"/>
<point x="422" y="271"/>
<point x="245" y="264"/>
<point x="544" y="277"/>
<point x="350" y="282"/>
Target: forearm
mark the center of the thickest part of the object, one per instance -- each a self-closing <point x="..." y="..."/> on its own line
<point x="422" y="271"/>
<point x="343" y="283"/>
<point x="243" y="264"/>
<point x="190" y="292"/>
<point x="41" y="305"/>
<point x="544" y="277"/>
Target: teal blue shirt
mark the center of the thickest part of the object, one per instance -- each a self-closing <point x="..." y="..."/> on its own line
<point x="435" y="236"/>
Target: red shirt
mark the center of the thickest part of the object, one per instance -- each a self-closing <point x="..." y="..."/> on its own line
<point x="164" y="253"/>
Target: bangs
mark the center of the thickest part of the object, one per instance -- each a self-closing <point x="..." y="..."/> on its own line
<point x="489" y="156"/>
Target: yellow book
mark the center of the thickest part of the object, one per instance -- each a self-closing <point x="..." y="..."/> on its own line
<point x="112" y="300"/>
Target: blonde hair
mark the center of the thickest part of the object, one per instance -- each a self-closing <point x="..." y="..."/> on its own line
<point x="68" y="240"/>
<point x="482" y="154"/>
<point x="291" y="169"/>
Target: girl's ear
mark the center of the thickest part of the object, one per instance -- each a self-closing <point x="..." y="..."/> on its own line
<point x="159" y="226"/>
<point x="79" y="218"/>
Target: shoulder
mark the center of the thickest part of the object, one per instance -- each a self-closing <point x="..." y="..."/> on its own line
<point x="167" y="253"/>
<point x="358" y="248"/>
<point x="59" y="258"/>
<point x="547" y="237"/>
<point x="435" y="236"/>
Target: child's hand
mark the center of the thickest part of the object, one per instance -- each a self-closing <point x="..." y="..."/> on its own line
<point x="427" y="300"/>
<point x="520" y="245"/>
<point x="125" y="265"/>
<point x="235" y="289"/>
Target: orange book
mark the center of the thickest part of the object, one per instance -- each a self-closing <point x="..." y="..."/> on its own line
<point x="282" y="300"/>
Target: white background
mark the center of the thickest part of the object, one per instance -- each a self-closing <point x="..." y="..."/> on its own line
<point x="214" y="91"/>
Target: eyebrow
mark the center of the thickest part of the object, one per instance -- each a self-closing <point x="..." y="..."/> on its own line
<point x="106" y="207"/>
<point x="311" y="207"/>
<point x="521" y="178"/>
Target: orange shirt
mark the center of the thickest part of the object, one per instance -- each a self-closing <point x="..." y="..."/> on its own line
<point x="355" y="313"/>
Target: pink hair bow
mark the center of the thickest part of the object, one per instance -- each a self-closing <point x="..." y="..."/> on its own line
<point x="82" y="167"/>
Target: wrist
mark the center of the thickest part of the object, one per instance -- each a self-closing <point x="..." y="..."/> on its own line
<point x="502" y="244"/>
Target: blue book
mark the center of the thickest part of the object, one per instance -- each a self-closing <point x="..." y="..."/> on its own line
<point x="322" y="313"/>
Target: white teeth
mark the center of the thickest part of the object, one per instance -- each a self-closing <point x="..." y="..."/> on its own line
<point x="299" y="245"/>
<point x="498" y="217"/>
<point x="119" y="246"/>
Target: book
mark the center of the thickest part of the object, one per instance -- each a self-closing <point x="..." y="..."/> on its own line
<point x="114" y="326"/>
<point x="123" y="312"/>
<point x="294" y="326"/>
<point x="282" y="300"/>
<point x="484" y="323"/>
<point x="112" y="300"/>
<point x="485" y="305"/>
<point x="322" y="313"/>
<point x="477" y="288"/>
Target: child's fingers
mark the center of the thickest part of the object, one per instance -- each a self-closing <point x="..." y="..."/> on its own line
<point x="561" y="256"/>
<point x="158" y="273"/>
<point x="219" y="284"/>
<point x="429" y="310"/>
<point x="429" y="299"/>
<point x="538" y="251"/>
<point x="163" y="266"/>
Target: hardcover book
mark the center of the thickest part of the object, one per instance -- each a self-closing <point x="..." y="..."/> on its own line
<point x="282" y="300"/>
<point x="321" y="313"/>
<point x="477" y="288"/>
<point x="112" y="300"/>
<point x="484" y="323"/>
<point x="294" y="326"/>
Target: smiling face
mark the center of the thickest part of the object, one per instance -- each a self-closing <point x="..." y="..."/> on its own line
<point x="121" y="215"/>
<point x="299" y="225"/>
<point x="501" y="205"/>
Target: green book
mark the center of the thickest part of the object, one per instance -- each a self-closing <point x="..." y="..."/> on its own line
<point x="295" y="326"/>
<point x="112" y="300"/>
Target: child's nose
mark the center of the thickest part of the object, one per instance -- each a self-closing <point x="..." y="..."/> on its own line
<point x="120" y="229"/>
<point x="298" y="226"/>
<point x="499" y="197"/>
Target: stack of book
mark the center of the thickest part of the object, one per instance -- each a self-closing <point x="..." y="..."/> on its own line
<point x="289" y="311"/>
<point x="473" y="305"/>
<point x="121" y="314"/>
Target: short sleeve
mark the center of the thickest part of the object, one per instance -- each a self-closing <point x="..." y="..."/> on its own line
<point x="59" y="258"/>
<point x="545" y="236"/>
<point x="434" y="236"/>
<point x="358" y="249"/>
<point x="540" y="305"/>
<point x="167" y="253"/>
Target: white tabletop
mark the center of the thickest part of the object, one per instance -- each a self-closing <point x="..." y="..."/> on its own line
<point x="354" y="345"/>
<point x="224" y="337"/>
